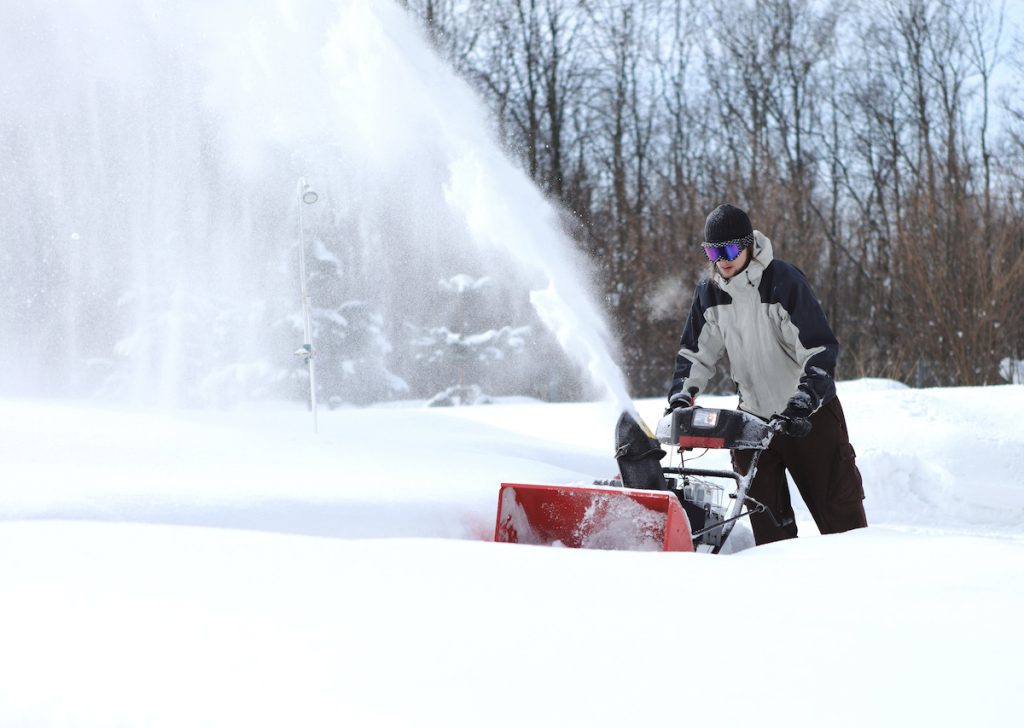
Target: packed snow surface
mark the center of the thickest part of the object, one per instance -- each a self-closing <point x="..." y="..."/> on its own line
<point x="234" y="569"/>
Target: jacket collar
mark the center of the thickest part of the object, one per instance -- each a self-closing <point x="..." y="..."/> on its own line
<point x="750" y="276"/>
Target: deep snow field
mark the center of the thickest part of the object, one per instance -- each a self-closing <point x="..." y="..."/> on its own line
<point x="234" y="569"/>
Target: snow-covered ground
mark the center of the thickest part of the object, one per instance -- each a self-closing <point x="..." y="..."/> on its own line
<point x="234" y="569"/>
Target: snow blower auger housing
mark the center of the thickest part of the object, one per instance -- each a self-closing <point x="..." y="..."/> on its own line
<point x="649" y="507"/>
<point x="592" y="517"/>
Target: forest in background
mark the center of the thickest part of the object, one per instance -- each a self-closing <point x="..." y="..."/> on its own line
<point x="879" y="144"/>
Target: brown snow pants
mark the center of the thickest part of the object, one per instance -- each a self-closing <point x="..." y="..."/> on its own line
<point x="823" y="467"/>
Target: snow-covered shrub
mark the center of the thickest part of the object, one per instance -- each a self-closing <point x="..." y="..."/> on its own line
<point x="1012" y="370"/>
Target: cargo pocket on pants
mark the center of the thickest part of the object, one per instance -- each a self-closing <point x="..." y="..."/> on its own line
<point x="847" y="484"/>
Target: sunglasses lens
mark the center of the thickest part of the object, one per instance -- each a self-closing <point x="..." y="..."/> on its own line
<point x="723" y="252"/>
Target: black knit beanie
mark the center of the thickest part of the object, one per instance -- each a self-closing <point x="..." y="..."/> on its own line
<point x="726" y="223"/>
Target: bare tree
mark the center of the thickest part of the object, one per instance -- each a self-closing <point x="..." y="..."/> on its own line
<point x="859" y="137"/>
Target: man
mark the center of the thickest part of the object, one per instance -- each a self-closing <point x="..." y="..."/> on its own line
<point x="760" y="314"/>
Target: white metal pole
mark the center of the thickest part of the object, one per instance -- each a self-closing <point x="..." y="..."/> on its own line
<point x="307" y="196"/>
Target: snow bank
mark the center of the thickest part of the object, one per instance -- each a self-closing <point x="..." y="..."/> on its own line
<point x="115" y="624"/>
<point x="239" y="610"/>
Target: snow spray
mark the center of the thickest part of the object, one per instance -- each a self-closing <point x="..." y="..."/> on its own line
<point x="156" y="146"/>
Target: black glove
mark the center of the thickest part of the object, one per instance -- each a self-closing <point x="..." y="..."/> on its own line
<point x="799" y="406"/>
<point x="680" y="400"/>
<point x="794" y="426"/>
<point x="796" y="417"/>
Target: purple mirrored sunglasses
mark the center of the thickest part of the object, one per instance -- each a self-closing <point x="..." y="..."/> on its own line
<point x="729" y="250"/>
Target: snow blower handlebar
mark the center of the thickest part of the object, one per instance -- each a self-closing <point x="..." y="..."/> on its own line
<point x="702" y="472"/>
<point x="699" y="427"/>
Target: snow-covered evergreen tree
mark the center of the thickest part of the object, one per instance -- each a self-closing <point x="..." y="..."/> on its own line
<point x="458" y="356"/>
<point x="352" y="350"/>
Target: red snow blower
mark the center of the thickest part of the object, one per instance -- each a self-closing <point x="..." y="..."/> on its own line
<point x="649" y="507"/>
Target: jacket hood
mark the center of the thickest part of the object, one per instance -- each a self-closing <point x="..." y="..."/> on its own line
<point x="762" y="255"/>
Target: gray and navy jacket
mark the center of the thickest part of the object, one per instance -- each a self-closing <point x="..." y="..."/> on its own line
<point x="768" y="323"/>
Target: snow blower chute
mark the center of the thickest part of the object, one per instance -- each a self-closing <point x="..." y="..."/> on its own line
<point x="649" y="507"/>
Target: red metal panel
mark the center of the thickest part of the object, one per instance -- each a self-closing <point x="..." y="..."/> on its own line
<point x="591" y="517"/>
<point x="712" y="442"/>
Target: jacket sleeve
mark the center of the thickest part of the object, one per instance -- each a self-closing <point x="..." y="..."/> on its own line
<point x="700" y="348"/>
<point x="813" y="341"/>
